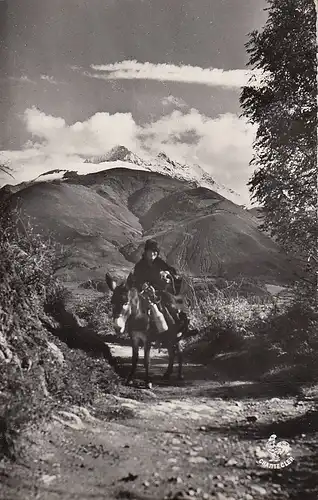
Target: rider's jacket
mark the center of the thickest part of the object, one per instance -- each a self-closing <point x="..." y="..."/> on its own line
<point x="149" y="272"/>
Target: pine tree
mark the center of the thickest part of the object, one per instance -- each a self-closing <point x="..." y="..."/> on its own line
<point x="284" y="106"/>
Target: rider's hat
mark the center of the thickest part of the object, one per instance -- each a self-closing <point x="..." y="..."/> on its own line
<point x="152" y="245"/>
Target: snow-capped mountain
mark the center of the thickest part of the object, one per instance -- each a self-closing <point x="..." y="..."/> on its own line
<point x="121" y="156"/>
<point x="118" y="153"/>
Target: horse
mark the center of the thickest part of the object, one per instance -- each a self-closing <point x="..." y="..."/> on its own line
<point x="130" y="311"/>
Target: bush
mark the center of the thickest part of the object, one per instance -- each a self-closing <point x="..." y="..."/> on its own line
<point x="26" y="284"/>
<point x="225" y="320"/>
<point x="292" y="330"/>
<point x="268" y="328"/>
<point x="236" y="314"/>
<point x="37" y="370"/>
<point x="97" y="314"/>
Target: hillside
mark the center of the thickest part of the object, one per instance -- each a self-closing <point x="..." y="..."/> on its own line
<point x="103" y="218"/>
<point x="256" y="211"/>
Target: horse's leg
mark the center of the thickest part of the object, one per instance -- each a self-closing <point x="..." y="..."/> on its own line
<point x="180" y="361"/>
<point x="147" y="347"/>
<point x="134" y="361"/>
<point x="171" y="352"/>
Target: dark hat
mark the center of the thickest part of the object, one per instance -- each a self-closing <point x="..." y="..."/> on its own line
<point x="151" y="245"/>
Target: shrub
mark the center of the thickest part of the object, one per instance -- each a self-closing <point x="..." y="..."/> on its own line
<point x="225" y="319"/>
<point x="292" y="330"/>
<point x="96" y="313"/>
<point x="276" y="330"/>
<point x="26" y="284"/>
<point x="37" y="370"/>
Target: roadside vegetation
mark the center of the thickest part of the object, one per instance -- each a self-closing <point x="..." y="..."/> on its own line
<point x="283" y="106"/>
<point x="269" y="332"/>
<point x="38" y="369"/>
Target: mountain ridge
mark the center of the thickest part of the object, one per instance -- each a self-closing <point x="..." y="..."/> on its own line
<point x="119" y="156"/>
<point x="103" y="219"/>
<point x="163" y="164"/>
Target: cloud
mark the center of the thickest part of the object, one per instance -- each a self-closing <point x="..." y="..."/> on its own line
<point x="26" y="79"/>
<point x="174" y="101"/>
<point x="96" y="135"/>
<point x="221" y="145"/>
<point x="22" y="79"/>
<point x="129" y="70"/>
<point x="49" y="79"/>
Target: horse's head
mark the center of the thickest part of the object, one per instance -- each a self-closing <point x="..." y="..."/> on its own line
<point x="166" y="277"/>
<point x="168" y="281"/>
<point x="124" y="301"/>
<point x="121" y="309"/>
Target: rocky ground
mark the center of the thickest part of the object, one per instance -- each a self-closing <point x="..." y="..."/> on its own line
<point x="199" y="439"/>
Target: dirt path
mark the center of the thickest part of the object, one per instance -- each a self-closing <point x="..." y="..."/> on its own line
<point x="201" y="439"/>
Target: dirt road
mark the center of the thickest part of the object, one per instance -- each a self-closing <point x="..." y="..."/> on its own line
<point x="201" y="439"/>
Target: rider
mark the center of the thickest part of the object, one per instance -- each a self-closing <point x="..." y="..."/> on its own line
<point x="148" y="269"/>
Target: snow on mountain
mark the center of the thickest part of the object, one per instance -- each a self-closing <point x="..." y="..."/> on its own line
<point x="118" y="153"/>
<point x="120" y="156"/>
<point x="62" y="174"/>
<point x="51" y="175"/>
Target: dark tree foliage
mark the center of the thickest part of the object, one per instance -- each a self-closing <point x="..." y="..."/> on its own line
<point x="5" y="168"/>
<point x="284" y="107"/>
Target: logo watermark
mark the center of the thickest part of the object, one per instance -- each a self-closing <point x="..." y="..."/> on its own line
<point x="278" y="454"/>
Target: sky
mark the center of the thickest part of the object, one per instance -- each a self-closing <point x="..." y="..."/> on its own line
<point x="82" y="76"/>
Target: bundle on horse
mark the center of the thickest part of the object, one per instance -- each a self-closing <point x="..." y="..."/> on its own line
<point x="133" y="311"/>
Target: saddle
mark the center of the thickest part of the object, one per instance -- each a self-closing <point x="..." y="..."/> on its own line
<point x="166" y="305"/>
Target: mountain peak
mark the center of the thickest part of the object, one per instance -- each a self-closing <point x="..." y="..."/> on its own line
<point x="163" y="156"/>
<point x="118" y="153"/>
<point x="166" y="166"/>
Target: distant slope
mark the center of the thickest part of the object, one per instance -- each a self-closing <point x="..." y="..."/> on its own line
<point x="203" y="233"/>
<point x="256" y="212"/>
<point x="104" y="218"/>
<point x="91" y="226"/>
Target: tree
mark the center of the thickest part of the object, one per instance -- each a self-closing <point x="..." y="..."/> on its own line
<point x="5" y="167"/>
<point x="283" y="105"/>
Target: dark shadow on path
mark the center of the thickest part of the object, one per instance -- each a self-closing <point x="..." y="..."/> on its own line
<point x="208" y="381"/>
